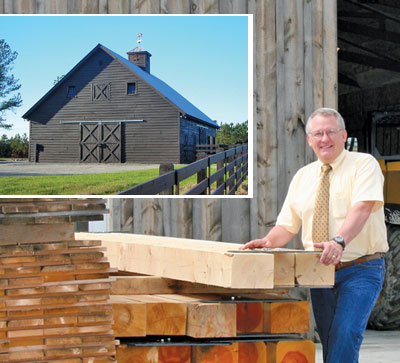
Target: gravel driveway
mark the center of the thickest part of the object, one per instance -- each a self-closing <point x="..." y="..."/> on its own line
<point x="25" y="168"/>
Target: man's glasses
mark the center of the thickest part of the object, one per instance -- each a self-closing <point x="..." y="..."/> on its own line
<point x="320" y="134"/>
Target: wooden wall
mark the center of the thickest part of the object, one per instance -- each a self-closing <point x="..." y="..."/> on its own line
<point x="295" y="71"/>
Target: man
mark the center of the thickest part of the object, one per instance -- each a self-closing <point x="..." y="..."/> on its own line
<point x="354" y="238"/>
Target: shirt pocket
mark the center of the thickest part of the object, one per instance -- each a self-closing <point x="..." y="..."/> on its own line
<point x="339" y="206"/>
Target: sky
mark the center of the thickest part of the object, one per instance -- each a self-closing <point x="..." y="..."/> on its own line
<point x="205" y="58"/>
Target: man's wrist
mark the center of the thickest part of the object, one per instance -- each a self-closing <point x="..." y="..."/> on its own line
<point x="340" y="240"/>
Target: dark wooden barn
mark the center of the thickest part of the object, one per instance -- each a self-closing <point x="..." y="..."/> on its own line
<point x="112" y="109"/>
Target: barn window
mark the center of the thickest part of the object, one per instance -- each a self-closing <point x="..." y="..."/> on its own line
<point x="131" y="88"/>
<point x="101" y="91"/>
<point x="71" y="92"/>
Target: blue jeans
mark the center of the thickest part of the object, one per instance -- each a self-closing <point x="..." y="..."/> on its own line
<point x="341" y="313"/>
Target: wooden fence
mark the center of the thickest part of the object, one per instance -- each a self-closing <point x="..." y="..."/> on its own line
<point x="200" y="151"/>
<point x="232" y="170"/>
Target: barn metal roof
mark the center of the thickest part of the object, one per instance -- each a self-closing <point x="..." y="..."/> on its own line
<point x="167" y="91"/>
<point x="186" y="107"/>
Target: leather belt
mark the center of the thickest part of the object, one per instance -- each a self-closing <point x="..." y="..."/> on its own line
<point x="362" y="259"/>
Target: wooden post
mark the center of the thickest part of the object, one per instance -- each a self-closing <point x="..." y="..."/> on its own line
<point x="164" y="169"/>
<point x="220" y="165"/>
<point x="202" y="174"/>
<point x="231" y="172"/>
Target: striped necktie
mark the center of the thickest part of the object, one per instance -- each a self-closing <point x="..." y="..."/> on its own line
<point x="320" y="224"/>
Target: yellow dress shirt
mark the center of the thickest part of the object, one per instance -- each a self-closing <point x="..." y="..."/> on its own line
<point x="355" y="177"/>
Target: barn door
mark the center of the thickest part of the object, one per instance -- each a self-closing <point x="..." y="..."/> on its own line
<point x="90" y="140"/>
<point x="100" y="143"/>
<point x="111" y="143"/>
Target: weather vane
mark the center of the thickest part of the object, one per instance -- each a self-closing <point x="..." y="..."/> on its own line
<point x="139" y="38"/>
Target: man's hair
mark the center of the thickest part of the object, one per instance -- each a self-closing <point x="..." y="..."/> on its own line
<point x="324" y="111"/>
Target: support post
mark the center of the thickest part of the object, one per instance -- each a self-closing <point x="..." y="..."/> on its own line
<point x="164" y="169"/>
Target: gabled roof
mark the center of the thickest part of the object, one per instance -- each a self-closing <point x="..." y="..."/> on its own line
<point x="186" y="107"/>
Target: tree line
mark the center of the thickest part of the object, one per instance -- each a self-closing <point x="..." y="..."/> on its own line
<point x="230" y="133"/>
<point x="15" y="147"/>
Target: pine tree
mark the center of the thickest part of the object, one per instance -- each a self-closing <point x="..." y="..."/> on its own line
<point x="9" y="100"/>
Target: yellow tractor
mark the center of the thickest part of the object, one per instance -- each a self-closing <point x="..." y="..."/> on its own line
<point x="384" y="145"/>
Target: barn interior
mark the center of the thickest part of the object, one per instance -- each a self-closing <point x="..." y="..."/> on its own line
<point x="369" y="73"/>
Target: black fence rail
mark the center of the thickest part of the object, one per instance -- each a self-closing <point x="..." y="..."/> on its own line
<point x="231" y="171"/>
<point x="200" y="151"/>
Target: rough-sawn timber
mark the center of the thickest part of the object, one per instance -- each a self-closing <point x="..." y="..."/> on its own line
<point x="212" y="263"/>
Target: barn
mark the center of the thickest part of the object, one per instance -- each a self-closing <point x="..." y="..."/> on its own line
<point x="109" y="109"/>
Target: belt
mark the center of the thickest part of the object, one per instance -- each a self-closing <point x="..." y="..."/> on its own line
<point x="362" y="259"/>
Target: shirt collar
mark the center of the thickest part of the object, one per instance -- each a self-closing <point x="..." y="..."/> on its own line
<point x="335" y="164"/>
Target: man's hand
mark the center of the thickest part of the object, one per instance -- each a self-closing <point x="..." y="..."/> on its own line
<point x="332" y="252"/>
<point x="278" y="236"/>
<point x="255" y="243"/>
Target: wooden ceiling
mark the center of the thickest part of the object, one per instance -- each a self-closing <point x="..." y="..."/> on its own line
<point x="368" y="43"/>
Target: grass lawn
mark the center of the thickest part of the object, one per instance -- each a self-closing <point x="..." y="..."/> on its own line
<point x="84" y="184"/>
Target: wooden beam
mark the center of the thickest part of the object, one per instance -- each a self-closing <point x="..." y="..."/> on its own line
<point x="130" y="354"/>
<point x="129" y="316"/>
<point x="254" y="352"/>
<point x="284" y="269"/>
<point x="309" y="271"/>
<point x="375" y="10"/>
<point x="216" y="353"/>
<point x="286" y="317"/>
<point x="213" y="263"/>
<point x="364" y="59"/>
<point x="214" y="319"/>
<point x="367" y="31"/>
<point x="164" y="316"/>
<point x="174" y="354"/>
<point x="249" y="317"/>
<point x="198" y="261"/>
<point x="291" y="351"/>
<point x="136" y="285"/>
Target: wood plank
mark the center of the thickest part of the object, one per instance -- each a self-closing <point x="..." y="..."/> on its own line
<point x="309" y="271"/>
<point x="26" y="233"/>
<point x="291" y="351"/>
<point x="198" y="261"/>
<point x="286" y="317"/>
<point x="129" y="317"/>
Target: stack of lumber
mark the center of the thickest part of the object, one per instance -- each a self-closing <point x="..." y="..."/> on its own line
<point x="195" y="326"/>
<point x="206" y="301"/>
<point x="54" y="289"/>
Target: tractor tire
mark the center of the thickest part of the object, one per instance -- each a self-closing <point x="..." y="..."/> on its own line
<point x="386" y="313"/>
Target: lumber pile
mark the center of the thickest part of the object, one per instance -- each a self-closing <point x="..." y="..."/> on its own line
<point x="54" y="289"/>
<point x="199" y="323"/>
<point x="204" y="301"/>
